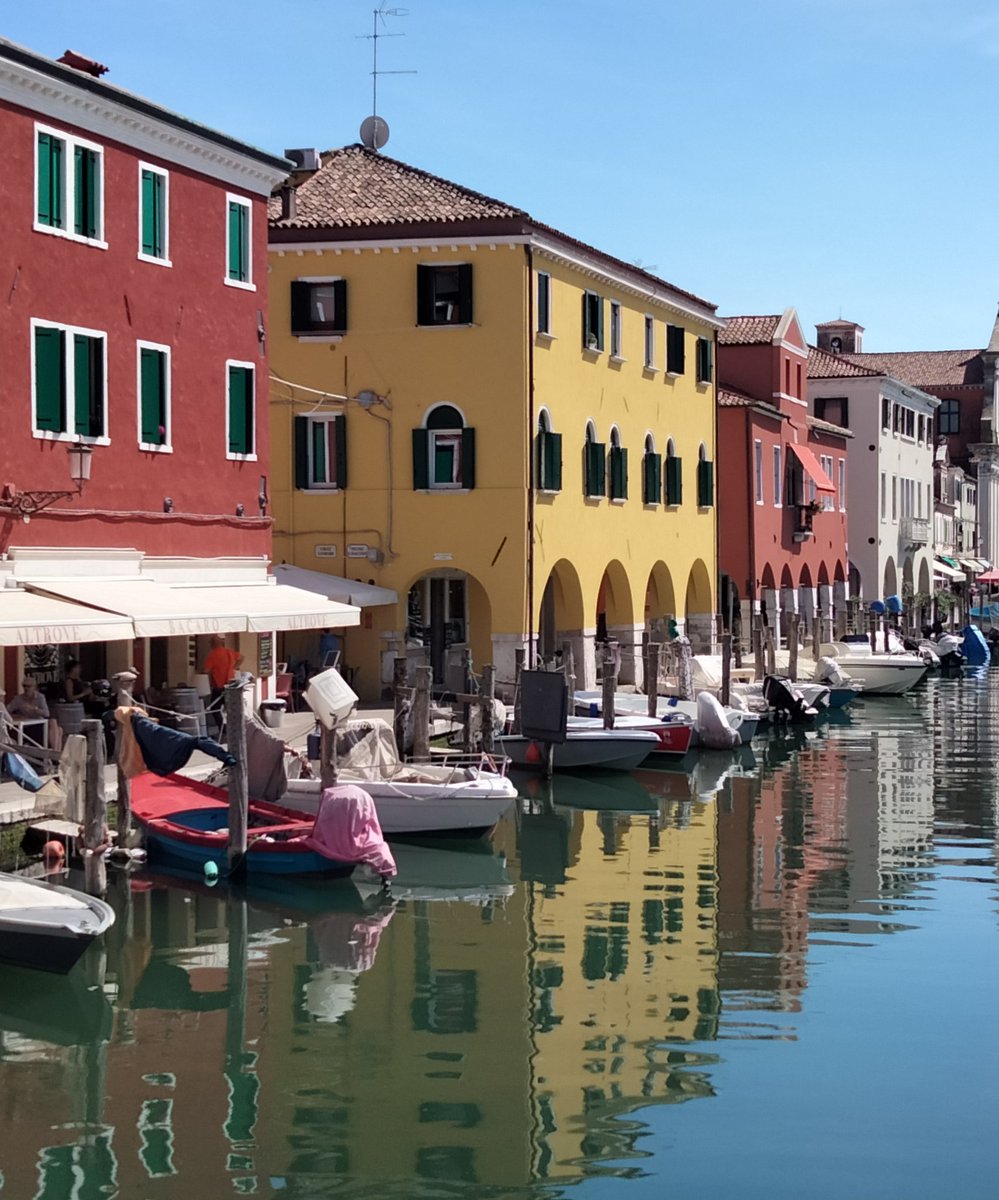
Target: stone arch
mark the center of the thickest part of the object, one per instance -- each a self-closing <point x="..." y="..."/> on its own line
<point x="925" y="586"/>
<point x="786" y="580"/>
<point x="660" y="597"/>
<point x="561" y="614"/>
<point x="448" y="610"/>
<point x="699" y="608"/>
<point x="615" y="604"/>
<point x="890" y="579"/>
<point x="805" y="576"/>
<point x="823" y="574"/>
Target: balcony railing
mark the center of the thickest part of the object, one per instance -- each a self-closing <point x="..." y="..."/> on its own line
<point x="915" y="530"/>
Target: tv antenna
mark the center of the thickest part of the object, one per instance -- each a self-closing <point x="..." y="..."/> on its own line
<point x="374" y="129"/>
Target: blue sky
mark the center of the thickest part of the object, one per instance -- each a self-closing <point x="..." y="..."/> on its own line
<point x="833" y="155"/>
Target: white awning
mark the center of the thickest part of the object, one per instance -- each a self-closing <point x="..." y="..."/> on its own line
<point x="157" y="610"/>
<point x="27" y="619"/>
<point x="335" y="587"/>
<point x="273" y="606"/>
<point x="943" y="571"/>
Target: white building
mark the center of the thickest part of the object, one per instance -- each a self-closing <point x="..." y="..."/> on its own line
<point x="890" y="472"/>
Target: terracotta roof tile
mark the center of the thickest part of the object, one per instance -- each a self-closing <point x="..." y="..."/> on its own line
<point x="356" y="187"/>
<point x="927" y="368"/>
<point x="834" y="366"/>
<point x="748" y="331"/>
<point x="731" y="398"/>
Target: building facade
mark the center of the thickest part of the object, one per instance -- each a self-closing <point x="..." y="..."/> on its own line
<point x="512" y="430"/>
<point x="782" y="491"/>
<point x="132" y="353"/>
<point x="890" y="475"/>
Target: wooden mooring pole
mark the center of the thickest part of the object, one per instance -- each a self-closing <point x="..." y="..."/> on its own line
<point x="95" y="828"/>
<point x="653" y="657"/>
<point x="486" y="709"/>
<point x="421" y="712"/>
<point x="726" y="665"/>
<point x="239" y="798"/>
<point x="792" y="646"/>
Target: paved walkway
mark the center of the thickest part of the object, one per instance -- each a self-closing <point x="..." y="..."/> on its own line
<point x="17" y="805"/>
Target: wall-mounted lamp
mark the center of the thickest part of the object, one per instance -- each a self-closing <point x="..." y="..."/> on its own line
<point x="25" y="504"/>
<point x="168" y="503"/>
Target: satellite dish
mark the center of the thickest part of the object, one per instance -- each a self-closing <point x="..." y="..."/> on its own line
<point x="374" y="132"/>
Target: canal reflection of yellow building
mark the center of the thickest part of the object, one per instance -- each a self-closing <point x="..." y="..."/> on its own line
<point x="624" y="972"/>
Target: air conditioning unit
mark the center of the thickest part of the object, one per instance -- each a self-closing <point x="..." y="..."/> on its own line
<point x="304" y="160"/>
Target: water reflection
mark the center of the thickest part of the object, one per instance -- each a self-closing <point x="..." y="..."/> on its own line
<point x="522" y="1013"/>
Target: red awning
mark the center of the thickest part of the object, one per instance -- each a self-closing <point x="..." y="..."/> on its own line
<point x="810" y="465"/>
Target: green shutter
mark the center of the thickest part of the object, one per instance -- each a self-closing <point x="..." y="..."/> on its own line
<point x="555" y="478"/>
<point x="340" y="449"/>
<point x="86" y="195"/>
<point x="88" y="385"/>
<point x="152" y="379"/>
<point x="153" y="214"/>
<point x="705" y="483"/>
<point x="320" y="468"/>
<point x="49" y="153"/>
<point x="240" y="410"/>
<point x="301" y="306"/>
<point x="651" y="478"/>
<point x="238" y="249"/>
<point x="586" y="320"/>
<point x="468" y="458"/>
<point x="340" y="306"/>
<point x="674" y="480"/>
<point x="704" y="360"/>
<point x="600" y="323"/>
<point x="424" y="295"/>
<point x="465" y="294"/>
<point x="596" y="469"/>
<point x="540" y="455"/>
<point x="50" y="379"/>
<point x="675" y="357"/>
<point x="301" y="452"/>
<point x="421" y="459"/>
<point x="619" y="473"/>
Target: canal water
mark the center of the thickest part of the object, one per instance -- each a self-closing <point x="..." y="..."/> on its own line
<point x="774" y="975"/>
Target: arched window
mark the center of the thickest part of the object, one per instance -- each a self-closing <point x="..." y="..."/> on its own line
<point x="705" y="479"/>
<point x="548" y="455"/>
<point x="618" y="466"/>
<point x="594" y="464"/>
<point x="443" y="451"/>
<point x="651" y="472"/>
<point x="674" y="476"/>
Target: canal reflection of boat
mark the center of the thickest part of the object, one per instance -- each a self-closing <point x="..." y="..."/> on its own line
<point x="470" y="871"/>
<point x="59" y="1010"/>
<point x="611" y="792"/>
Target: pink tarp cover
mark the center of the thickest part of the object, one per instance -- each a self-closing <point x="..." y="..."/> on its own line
<point x="347" y="828"/>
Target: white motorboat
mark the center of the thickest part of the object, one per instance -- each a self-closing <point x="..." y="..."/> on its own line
<point x="880" y="674"/>
<point x="667" y="707"/>
<point x="597" y="749"/>
<point x="675" y="733"/>
<point x="47" y="926"/>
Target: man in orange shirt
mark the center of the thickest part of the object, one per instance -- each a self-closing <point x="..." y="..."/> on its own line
<point x="221" y="665"/>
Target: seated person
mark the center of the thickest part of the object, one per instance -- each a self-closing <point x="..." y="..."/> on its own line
<point x="30" y="705"/>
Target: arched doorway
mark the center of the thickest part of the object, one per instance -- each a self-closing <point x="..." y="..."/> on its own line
<point x="448" y="613"/>
<point x="698" y="613"/>
<point x="615" y="622"/>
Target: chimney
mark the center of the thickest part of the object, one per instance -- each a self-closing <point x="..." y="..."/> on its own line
<point x="840" y="337"/>
<point x="80" y="62"/>
<point x="289" y="201"/>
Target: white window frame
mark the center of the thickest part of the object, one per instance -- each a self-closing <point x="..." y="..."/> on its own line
<point x="615" y="326"/>
<point x="842" y="485"/>
<point x="165" y="261"/>
<point x="826" y="463"/>
<point x="894" y="499"/>
<point x="238" y="362"/>
<point x="246" y="285"/>
<point x="66" y="435"/>
<point x="167" y="447"/>
<point x="650" y="342"/>
<point x="70" y="142"/>
<point x="884" y="496"/>
<point x="544" y="284"/>
<point x="322" y="419"/>
<point x="449" y="434"/>
<point x="778" y="477"/>
<point x="325" y="338"/>
<point x="758" y="468"/>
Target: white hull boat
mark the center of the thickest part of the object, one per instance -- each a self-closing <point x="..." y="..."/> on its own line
<point x="47" y="926"/>
<point x="596" y="749"/>
<point x="744" y="723"/>
<point x="880" y="674"/>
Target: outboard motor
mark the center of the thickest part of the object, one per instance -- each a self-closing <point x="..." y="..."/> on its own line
<point x="786" y="701"/>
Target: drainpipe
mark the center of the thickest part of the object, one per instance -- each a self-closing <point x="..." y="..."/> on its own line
<point x="751" y="509"/>
<point x="531" y="661"/>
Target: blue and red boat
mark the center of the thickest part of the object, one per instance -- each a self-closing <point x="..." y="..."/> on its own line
<point x="185" y="823"/>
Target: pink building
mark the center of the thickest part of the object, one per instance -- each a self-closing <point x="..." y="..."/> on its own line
<point x="781" y="479"/>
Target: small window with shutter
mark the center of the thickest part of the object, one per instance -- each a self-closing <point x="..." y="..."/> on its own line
<point x="69" y="386"/>
<point x="240" y="411"/>
<point x="444" y="452"/>
<point x="318" y="307"/>
<point x="154" y="396"/>
<point x="321" y="453"/>
<point x="238" y="243"/>
<point x="444" y="294"/>
<point x="153" y="214"/>
<point x="69" y="186"/>
<point x="705" y="360"/>
<point x="548" y="463"/>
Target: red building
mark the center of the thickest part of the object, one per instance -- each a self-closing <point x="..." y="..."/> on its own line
<point x="133" y="328"/>
<point x="782" y="478"/>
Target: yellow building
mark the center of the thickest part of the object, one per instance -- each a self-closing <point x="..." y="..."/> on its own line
<point x="512" y="431"/>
